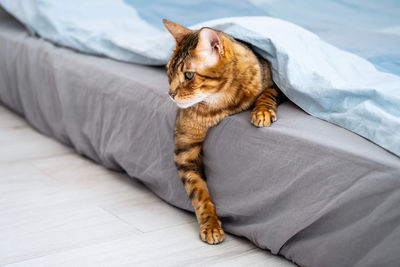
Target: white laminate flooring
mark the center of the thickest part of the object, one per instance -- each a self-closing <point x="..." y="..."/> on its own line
<point x="60" y="209"/>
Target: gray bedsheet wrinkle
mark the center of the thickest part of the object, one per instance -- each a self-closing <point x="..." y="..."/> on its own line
<point x="311" y="191"/>
<point x="377" y="205"/>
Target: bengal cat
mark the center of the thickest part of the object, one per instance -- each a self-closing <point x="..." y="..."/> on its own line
<point x="212" y="76"/>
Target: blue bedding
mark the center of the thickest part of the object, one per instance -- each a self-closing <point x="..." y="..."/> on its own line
<point x="357" y="89"/>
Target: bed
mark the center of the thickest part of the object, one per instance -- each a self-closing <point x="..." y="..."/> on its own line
<point x="306" y="189"/>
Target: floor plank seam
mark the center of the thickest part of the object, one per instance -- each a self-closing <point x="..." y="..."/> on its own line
<point x="35" y="158"/>
<point x="120" y="219"/>
<point x="69" y="249"/>
<point x="171" y="226"/>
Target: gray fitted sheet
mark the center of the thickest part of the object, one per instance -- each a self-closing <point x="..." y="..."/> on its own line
<point x="309" y="190"/>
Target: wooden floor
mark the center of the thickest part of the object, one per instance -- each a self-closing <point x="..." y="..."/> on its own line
<point x="60" y="209"/>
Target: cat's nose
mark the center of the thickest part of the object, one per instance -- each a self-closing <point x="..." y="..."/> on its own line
<point x="172" y="94"/>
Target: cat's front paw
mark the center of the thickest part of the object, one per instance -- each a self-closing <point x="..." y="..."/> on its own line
<point x="263" y="117"/>
<point x="211" y="232"/>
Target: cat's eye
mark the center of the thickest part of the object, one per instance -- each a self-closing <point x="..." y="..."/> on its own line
<point x="189" y="75"/>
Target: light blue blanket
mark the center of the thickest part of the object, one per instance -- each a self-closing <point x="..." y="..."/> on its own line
<point x="332" y="84"/>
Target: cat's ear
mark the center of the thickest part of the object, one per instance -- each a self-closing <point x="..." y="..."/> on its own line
<point x="176" y="30"/>
<point x="209" y="42"/>
<point x="209" y="47"/>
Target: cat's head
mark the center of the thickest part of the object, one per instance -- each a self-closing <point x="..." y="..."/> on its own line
<point x="196" y="68"/>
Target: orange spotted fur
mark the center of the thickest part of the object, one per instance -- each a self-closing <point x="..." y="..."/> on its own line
<point x="212" y="76"/>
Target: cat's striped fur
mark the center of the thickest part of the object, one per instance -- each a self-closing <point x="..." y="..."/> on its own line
<point x="212" y="76"/>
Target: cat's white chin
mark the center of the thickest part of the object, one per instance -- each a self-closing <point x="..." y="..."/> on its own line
<point x="183" y="106"/>
<point x="188" y="103"/>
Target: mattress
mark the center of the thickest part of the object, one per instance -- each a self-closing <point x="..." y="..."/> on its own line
<point x="324" y="81"/>
<point x="306" y="189"/>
